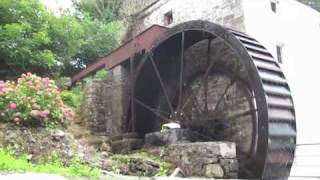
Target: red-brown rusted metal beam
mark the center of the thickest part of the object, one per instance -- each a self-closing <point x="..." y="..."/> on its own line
<point x="143" y="41"/>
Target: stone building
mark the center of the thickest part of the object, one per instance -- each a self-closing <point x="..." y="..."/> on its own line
<point x="287" y="28"/>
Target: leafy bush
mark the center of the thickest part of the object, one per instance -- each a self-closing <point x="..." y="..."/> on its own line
<point x="63" y="83"/>
<point x="71" y="98"/>
<point x="32" y="100"/>
<point x="101" y="74"/>
<point x="10" y="163"/>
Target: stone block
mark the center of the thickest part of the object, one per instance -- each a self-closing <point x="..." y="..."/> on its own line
<point x="229" y="165"/>
<point x="210" y="159"/>
<point x="214" y="171"/>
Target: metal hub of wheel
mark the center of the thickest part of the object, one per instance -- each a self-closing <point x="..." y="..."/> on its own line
<point x="224" y="85"/>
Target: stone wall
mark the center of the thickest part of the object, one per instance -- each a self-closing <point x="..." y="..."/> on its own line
<point x="103" y="106"/>
<point x="205" y="159"/>
<point x="228" y="13"/>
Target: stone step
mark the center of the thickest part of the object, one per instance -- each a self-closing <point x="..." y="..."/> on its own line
<point x="130" y="135"/>
<point x="126" y="145"/>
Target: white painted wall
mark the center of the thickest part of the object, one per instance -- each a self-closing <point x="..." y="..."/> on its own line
<point x="297" y="27"/>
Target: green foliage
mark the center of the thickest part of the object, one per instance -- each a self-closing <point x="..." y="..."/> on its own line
<point x="67" y="37"/>
<point x="101" y="74"/>
<point x="10" y="163"/>
<point x="72" y="98"/>
<point x="68" y="98"/>
<point x="103" y="10"/>
<point x="33" y="39"/>
<point x="32" y="100"/>
<point x="63" y="82"/>
<point x="164" y="168"/>
<point x="24" y="38"/>
<point x="101" y="38"/>
<point x="312" y="3"/>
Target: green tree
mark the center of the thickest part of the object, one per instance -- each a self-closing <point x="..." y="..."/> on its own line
<point x="101" y="39"/>
<point x="102" y="10"/>
<point x="24" y="39"/>
<point x="33" y="39"/>
<point x="67" y="35"/>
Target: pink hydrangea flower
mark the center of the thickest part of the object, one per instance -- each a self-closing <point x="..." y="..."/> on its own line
<point x="34" y="113"/>
<point x="45" y="80"/>
<point x="2" y="84"/>
<point x="30" y="83"/>
<point x="44" y="114"/>
<point x="13" y="106"/>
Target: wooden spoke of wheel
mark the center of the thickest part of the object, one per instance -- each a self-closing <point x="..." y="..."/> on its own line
<point x="161" y="82"/>
<point x="243" y="114"/>
<point x="196" y="101"/>
<point x="223" y="94"/>
<point x="153" y="110"/>
<point x="205" y="76"/>
<point x="206" y="109"/>
<point x="181" y="81"/>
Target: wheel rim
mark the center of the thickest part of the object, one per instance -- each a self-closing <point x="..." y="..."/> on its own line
<point x="172" y="73"/>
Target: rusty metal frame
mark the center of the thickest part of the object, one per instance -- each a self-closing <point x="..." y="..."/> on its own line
<point x="142" y="41"/>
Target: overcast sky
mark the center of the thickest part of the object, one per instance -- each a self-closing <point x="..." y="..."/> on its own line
<point x="56" y="5"/>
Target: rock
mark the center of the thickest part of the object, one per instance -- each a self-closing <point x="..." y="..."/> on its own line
<point x="59" y="135"/>
<point x="177" y="173"/>
<point x="81" y="155"/>
<point x="105" y="154"/>
<point x="142" y="167"/>
<point x="172" y="136"/>
<point x="32" y="140"/>
<point x="39" y="143"/>
<point x="29" y="157"/>
<point x="105" y="147"/>
<point x="214" y="171"/>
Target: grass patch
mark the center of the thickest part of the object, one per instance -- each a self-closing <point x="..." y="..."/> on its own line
<point x="10" y="163"/>
<point x="164" y="168"/>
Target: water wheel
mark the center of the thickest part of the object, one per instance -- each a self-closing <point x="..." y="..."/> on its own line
<point x="223" y="84"/>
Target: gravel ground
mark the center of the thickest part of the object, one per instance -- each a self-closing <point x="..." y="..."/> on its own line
<point x="31" y="176"/>
<point x="34" y="176"/>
